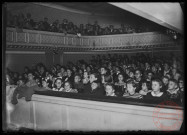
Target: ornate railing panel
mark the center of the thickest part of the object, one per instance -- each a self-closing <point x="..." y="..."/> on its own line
<point x="43" y="38"/>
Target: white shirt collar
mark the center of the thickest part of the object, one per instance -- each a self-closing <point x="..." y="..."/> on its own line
<point x="173" y="92"/>
<point x="158" y="95"/>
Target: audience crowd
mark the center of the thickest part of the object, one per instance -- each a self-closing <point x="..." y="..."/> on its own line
<point x="140" y="76"/>
<point x="21" y="21"/>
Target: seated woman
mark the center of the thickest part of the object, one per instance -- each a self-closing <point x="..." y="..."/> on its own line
<point x="68" y="87"/>
<point x="58" y="85"/>
<point x="156" y="93"/>
<point x="109" y="89"/>
<point x="131" y="87"/>
<point x="145" y="88"/>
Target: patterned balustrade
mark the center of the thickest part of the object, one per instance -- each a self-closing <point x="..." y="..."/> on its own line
<point x="42" y="38"/>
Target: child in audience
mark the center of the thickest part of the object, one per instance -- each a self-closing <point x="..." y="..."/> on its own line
<point x="96" y="89"/>
<point x="166" y="69"/>
<point x="120" y="85"/>
<point x="68" y="87"/>
<point x="138" y="79"/>
<point x="145" y="88"/>
<point x="131" y="75"/>
<point x="173" y="90"/>
<point x="109" y="89"/>
<point x="181" y="87"/>
<point x="58" y="85"/>
<point x="131" y="87"/>
<point x="181" y="84"/>
<point x="78" y="85"/>
<point x="49" y="77"/>
<point x="175" y="74"/>
<point x="45" y="85"/>
<point x="85" y="79"/>
<point x="93" y="77"/>
<point x="165" y="81"/>
<point x="31" y="82"/>
<point x="156" y="93"/>
<point x="70" y="76"/>
<point x="149" y="76"/>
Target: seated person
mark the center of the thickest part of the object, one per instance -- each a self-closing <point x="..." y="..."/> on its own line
<point x="131" y="87"/>
<point x="156" y="93"/>
<point x="173" y="90"/>
<point x="165" y="81"/>
<point x="109" y="89"/>
<point x="78" y="85"/>
<point x="149" y="76"/>
<point x="138" y="79"/>
<point x="93" y="77"/>
<point x="18" y="91"/>
<point x="181" y="87"/>
<point x="58" y="85"/>
<point x="85" y="79"/>
<point x="181" y="84"/>
<point x="120" y="85"/>
<point x="145" y="88"/>
<point x="96" y="89"/>
<point x="68" y="87"/>
<point x="45" y="85"/>
<point x="28" y="90"/>
<point x="31" y="82"/>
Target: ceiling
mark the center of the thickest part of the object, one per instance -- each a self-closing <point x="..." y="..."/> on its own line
<point x="167" y="14"/>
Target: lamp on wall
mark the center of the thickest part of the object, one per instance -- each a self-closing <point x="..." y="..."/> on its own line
<point x="172" y="33"/>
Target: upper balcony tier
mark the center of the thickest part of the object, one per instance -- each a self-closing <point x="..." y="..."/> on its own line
<point x="44" y="39"/>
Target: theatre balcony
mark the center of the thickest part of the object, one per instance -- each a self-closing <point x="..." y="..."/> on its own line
<point x="32" y="39"/>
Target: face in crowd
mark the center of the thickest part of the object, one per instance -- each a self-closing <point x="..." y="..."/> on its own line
<point x="92" y="78"/>
<point x="156" y="86"/>
<point x="58" y="83"/>
<point x="94" y="85"/>
<point x="67" y="86"/>
<point x="77" y="79"/>
<point x="30" y="77"/>
<point x="130" y="88"/>
<point x="109" y="90"/>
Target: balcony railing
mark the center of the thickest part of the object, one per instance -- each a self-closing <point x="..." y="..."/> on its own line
<point x="43" y="38"/>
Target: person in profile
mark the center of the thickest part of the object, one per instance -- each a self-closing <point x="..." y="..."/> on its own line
<point x="145" y="88"/>
<point x="131" y="90"/>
